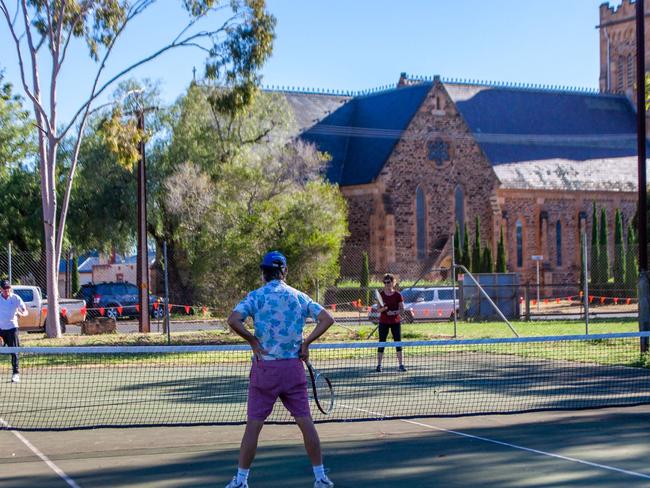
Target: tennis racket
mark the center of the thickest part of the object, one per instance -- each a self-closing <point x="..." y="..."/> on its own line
<point x="323" y="391"/>
<point x="380" y="300"/>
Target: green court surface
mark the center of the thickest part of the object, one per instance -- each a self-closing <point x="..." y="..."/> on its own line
<point x="590" y="448"/>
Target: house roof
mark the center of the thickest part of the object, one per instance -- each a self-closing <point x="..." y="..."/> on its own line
<point x="612" y="174"/>
<point x="360" y="135"/>
<point x="533" y="137"/>
<point x="519" y="124"/>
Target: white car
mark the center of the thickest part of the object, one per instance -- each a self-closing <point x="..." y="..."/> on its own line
<point x="425" y="304"/>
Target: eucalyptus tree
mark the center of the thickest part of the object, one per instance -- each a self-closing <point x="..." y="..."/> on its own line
<point x="236" y="36"/>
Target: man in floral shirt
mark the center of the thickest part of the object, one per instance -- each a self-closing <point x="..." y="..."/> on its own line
<point x="279" y="313"/>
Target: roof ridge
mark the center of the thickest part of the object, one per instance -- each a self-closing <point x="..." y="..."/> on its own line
<point x="523" y="86"/>
<point x="329" y="91"/>
<point x="507" y="84"/>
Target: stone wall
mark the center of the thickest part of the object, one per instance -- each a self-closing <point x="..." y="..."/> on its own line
<point x="436" y="122"/>
<point x="539" y="211"/>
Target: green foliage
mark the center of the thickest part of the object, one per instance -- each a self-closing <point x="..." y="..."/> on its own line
<point x="465" y="254"/>
<point x="487" y="266"/>
<point x="594" y="263"/>
<point x="618" y="269"/>
<point x="476" y="248"/>
<point x="17" y="143"/>
<point x="603" y="251"/>
<point x="21" y="220"/>
<point x="227" y="188"/>
<point x="501" y="266"/>
<point x="631" y="261"/>
<point x="74" y="277"/>
<point x="364" y="279"/>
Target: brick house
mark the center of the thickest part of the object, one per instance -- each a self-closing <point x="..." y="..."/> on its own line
<point x="414" y="159"/>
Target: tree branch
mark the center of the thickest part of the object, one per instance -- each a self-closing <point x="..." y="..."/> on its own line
<point x="186" y="42"/>
<point x="21" y="64"/>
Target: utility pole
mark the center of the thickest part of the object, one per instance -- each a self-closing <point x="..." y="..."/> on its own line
<point x="644" y="289"/>
<point x="143" y="251"/>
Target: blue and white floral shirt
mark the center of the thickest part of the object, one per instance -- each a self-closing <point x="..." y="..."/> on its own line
<point x="279" y="313"/>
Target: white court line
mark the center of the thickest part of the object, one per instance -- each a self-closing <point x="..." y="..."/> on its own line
<point x="514" y="446"/>
<point x="43" y="457"/>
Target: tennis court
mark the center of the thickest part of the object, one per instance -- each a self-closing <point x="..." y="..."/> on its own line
<point x="417" y="453"/>
<point x="439" y="425"/>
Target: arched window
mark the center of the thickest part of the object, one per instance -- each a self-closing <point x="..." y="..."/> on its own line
<point x="420" y="223"/>
<point x="620" y="74"/>
<point x="558" y="243"/>
<point x="630" y="72"/>
<point x="519" y="230"/>
<point x="459" y="210"/>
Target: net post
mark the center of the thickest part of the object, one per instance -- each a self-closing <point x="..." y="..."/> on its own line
<point x="644" y="308"/>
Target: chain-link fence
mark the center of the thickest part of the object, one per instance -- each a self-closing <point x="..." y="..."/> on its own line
<point x="561" y="294"/>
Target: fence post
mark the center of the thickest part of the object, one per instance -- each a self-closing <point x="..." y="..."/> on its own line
<point x="461" y="301"/>
<point x="586" y="281"/>
<point x="167" y="323"/>
<point x="9" y="263"/>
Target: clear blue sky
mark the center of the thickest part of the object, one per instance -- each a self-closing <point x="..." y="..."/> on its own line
<point x="357" y="44"/>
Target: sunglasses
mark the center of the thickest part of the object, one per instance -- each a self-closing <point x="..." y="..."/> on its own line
<point x="387" y="282"/>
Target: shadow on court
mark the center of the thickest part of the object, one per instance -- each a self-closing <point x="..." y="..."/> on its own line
<point x="364" y="454"/>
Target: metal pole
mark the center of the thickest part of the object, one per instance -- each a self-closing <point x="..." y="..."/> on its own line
<point x="167" y="322"/>
<point x="644" y="299"/>
<point x="537" y="262"/>
<point x="586" y="280"/>
<point x="9" y="259"/>
<point x="143" y="257"/>
<point x="453" y="280"/>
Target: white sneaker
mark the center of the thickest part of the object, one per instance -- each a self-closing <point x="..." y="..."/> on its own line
<point x="15" y="378"/>
<point x="323" y="483"/>
<point x="236" y="484"/>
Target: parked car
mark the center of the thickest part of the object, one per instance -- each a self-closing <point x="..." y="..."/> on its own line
<point x="424" y="303"/>
<point x="117" y="299"/>
<point x="72" y="311"/>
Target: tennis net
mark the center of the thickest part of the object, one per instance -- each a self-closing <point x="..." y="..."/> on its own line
<point x="89" y="387"/>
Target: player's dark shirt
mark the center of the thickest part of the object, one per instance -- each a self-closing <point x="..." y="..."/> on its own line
<point x="392" y="302"/>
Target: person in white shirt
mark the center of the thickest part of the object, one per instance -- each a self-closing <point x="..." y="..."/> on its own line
<point x="10" y="307"/>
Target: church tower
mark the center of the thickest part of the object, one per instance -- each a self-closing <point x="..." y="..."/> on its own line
<point x="618" y="48"/>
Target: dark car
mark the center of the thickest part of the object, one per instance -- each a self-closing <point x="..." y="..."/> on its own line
<point x="116" y="299"/>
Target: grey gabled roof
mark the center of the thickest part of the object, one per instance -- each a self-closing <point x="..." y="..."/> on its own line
<point x="613" y="174"/>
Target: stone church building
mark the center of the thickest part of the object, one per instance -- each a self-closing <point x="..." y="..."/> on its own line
<point x="414" y="159"/>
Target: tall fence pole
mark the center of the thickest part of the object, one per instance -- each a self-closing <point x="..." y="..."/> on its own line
<point x="167" y="321"/>
<point x="642" y="186"/>
<point x="9" y="263"/>
<point x="453" y="281"/>
<point x="585" y="293"/>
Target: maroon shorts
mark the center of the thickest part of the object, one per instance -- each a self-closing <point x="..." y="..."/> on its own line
<point x="270" y="380"/>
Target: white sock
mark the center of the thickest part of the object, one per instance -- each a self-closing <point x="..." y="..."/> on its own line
<point x="319" y="472"/>
<point x="242" y="475"/>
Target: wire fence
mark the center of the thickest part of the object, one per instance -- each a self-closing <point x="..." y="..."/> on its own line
<point x="604" y="285"/>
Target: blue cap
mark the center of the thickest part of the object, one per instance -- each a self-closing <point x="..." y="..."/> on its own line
<point x="274" y="259"/>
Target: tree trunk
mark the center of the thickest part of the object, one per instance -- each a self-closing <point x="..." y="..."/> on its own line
<point x="53" y="324"/>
